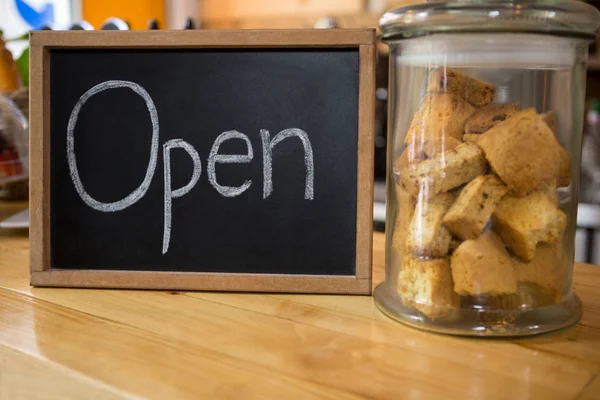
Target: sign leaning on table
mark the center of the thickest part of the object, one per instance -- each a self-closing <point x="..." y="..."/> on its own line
<point x="214" y="160"/>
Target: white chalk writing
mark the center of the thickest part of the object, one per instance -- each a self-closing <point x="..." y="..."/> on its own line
<point x="214" y="157"/>
<point x="268" y="145"/>
<point x="171" y="194"/>
<point x="141" y="190"/>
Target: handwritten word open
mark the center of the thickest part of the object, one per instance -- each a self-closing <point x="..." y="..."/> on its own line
<point x="214" y="158"/>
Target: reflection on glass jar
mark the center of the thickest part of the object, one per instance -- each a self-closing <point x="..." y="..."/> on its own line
<point x="483" y="173"/>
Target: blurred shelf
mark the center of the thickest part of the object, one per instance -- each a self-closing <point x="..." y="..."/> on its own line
<point x="594" y="63"/>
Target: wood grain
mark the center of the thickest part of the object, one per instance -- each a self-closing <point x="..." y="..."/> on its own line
<point x="39" y="190"/>
<point x="163" y="368"/>
<point x="204" y="38"/>
<point x="24" y="376"/>
<point x="366" y="161"/>
<point x="204" y="281"/>
<point x="592" y="390"/>
<point x="151" y="344"/>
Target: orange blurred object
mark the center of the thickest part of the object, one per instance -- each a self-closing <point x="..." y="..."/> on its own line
<point x="9" y="75"/>
<point x="135" y="12"/>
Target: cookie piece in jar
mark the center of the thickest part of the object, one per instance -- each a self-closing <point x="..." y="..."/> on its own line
<point x="564" y="162"/>
<point x="482" y="266"/>
<point x="427" y="286"/>
<point x="470" y="213"/>
<point x="523" y="222"/>
<point x="416" y="152"/>
<point x="471" y="137"/>
<point x="509" y="148"/>
<point x="405" y="211"/>
<point x="489" y="116"/>
<point x="445" y="171"/>
<point x="427" y="235"/>
<point x="549" y="269"/>
<point x="550" y="119"/>
<point x="440" y="115"/>
<point x="448" y="80"/>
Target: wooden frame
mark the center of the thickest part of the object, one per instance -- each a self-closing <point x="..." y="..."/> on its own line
<point x="43" y="41"/>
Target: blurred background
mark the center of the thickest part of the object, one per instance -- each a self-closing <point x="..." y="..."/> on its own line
<point x="18" y="17"/>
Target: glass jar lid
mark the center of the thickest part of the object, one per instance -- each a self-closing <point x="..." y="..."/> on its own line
<point x="571" y="18"/>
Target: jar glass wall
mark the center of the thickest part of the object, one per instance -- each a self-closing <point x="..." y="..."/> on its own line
<point x="484" y="148"/>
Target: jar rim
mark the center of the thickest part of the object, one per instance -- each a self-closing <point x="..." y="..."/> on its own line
<point x="570" y="18"/>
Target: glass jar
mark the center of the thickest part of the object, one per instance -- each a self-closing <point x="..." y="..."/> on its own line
<point x="14" y="151"/>
<point x="485" y="124"/>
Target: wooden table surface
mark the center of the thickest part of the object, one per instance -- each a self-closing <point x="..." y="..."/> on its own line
<point x="112" y="344"/>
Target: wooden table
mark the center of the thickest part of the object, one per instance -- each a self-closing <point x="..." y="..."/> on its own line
<point x="82" y="344"/>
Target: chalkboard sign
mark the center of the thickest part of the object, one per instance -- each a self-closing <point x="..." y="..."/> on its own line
<point x="209" y="160"/>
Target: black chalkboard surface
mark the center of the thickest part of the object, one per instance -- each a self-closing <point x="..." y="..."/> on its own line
<point x="228" y="167"/>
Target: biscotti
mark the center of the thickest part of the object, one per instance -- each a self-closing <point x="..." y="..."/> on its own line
<point x="563" y="178"/>
<point x="480" y="210"/>
<point x="550" y="119"/>
<point x="448" y="80"/>
<point x="454" y="243"/>
<point x="434" y="147"/>
<point x="418" y="151"/>
<point x="427" y="235"/>
<point x="523" y="151"/>
<point x="412" y="154"/>
<point x="549" y="269"/>
<point x="440" y="115"/>
<point x="489" y="116"/>
<point x="471" y="137"/>
<point x="426" y="285"/>
<point x="482" y="266"/>
<point x="404" y="215"/>
<point x="564" y="160"/>
<point x="469" y="214"/>
<point x="445" y="171"/>
<point x="523" y="222"/>
<point x="550" y="190"/>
